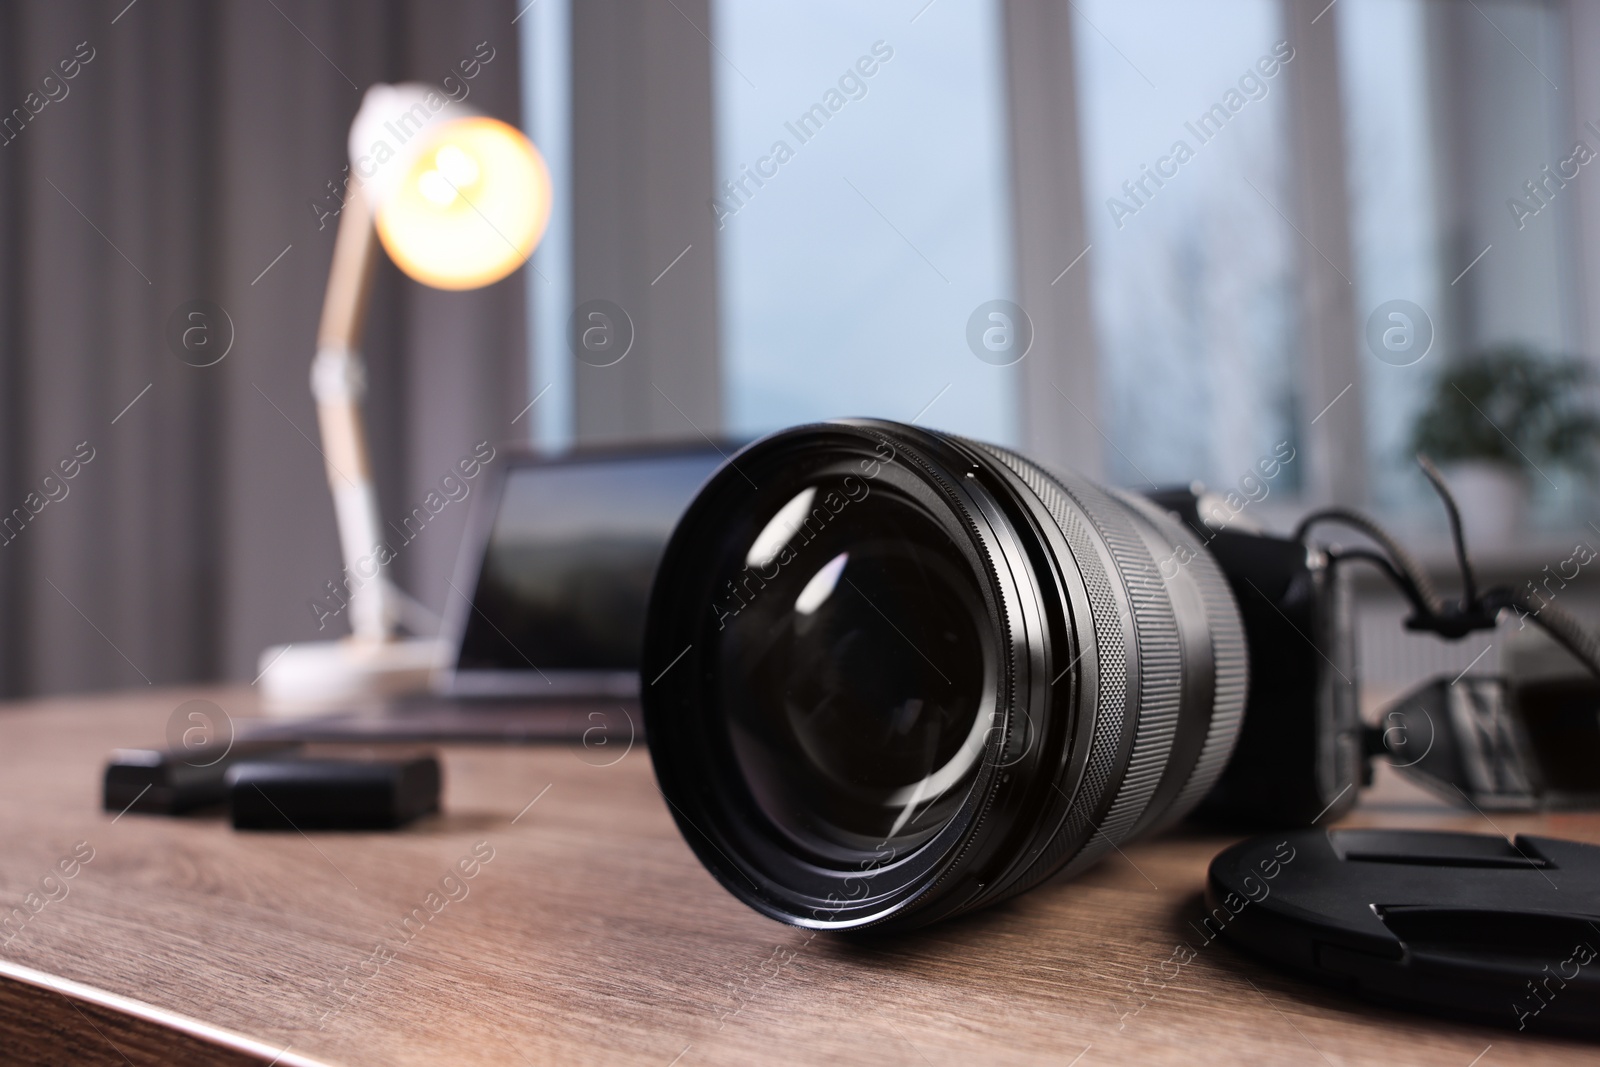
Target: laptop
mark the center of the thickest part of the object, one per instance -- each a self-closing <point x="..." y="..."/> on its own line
<point x="547" y="605"/>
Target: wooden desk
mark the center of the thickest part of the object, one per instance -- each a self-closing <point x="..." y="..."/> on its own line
<point x="593" y="936"/>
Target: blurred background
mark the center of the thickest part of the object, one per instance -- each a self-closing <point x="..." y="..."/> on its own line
<point x="1157" y="240"/>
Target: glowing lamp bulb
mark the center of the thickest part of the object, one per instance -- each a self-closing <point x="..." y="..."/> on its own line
<point x="457" y="167"/>
<point x="470" y="208"/>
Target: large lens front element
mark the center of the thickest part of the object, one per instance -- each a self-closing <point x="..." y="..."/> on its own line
<point x="855" y="685"/>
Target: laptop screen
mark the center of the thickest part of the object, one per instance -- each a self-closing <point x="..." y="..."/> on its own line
<point x="569" y="559"/>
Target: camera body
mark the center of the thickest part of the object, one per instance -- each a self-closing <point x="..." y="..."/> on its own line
<point x="1299" y="754"/>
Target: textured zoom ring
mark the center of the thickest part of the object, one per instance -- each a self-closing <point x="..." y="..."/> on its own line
<point x="1156" y="662"/>
<point x="1229" y="663"/>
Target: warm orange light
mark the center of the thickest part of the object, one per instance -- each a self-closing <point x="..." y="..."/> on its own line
<point x="470" y="208"/>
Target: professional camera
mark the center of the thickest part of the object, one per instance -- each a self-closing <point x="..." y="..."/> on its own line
<point x="893" y="675"/>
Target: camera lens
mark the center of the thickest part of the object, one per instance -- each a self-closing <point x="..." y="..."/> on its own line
<point x="892" y="675"/>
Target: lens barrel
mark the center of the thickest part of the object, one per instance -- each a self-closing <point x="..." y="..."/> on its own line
<point x="892" y="675"/>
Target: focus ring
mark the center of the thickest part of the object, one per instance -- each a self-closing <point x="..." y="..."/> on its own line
<point x="1155" y="661"/>
<point x="1075" y="837"/>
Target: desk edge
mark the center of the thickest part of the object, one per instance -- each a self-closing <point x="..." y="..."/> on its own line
<point x="162" y="1017"/>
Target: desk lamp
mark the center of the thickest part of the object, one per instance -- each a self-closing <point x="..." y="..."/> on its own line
<point x="459" y="201"/>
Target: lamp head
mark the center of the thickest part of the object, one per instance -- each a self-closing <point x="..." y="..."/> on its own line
<point x="460" y="200"/>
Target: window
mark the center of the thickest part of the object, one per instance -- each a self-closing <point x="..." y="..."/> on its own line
<point x="1450" y="112"/>
<point x="547" y="114"/>
<point x="1394" y="228"/>
<point x="862" y="199"/>
<point x="1190" y="261"/>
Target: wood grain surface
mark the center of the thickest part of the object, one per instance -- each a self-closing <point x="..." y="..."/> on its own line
<point x="592" y="936"/>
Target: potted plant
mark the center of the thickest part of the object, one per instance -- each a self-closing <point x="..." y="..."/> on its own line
<point x="1496" y="419"/>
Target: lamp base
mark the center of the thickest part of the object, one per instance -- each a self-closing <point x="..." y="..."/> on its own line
<point x="304" y="679"/>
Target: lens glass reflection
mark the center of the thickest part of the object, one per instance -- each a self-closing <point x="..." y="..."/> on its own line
<point x="853" y="670"/>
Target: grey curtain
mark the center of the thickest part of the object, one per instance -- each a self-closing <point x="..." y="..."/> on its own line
<point x="182" y="160"/>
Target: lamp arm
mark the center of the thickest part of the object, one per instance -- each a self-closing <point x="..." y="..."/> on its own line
<point x="339" y="383"/>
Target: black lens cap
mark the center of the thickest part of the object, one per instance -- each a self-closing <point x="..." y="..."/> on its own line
<point x="1470" y="926"/>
